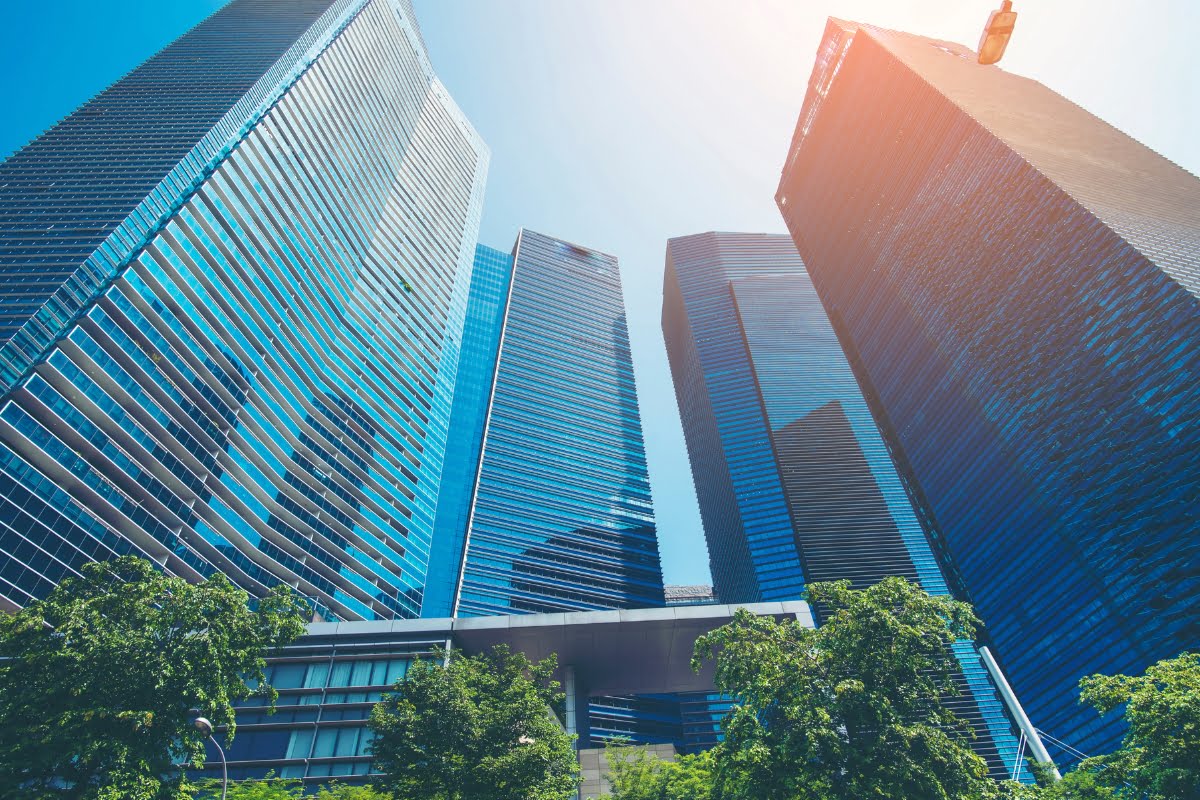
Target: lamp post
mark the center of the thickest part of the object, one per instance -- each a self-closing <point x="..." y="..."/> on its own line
<point x="206" y="730"/>
<point x="996" y="33"/>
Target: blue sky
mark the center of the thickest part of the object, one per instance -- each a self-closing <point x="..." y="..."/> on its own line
<point x="619" y="123"/>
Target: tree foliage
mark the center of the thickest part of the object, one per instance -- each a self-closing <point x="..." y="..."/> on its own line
<point x="96" y="681"/>
<point x="269" y="788"/>
<point x="475" y="728"/>
<point x="852" y="709"/>
<point x="637" y="775"/>
<point x="1076" y="785"/>
<point x="1160" y="756"/>
<point x="272" y="788"/>
<point x="342" y="791"/>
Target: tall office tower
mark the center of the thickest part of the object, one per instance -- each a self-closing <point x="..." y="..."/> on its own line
<point x="1017" y="285"/>
<point x="235" y="284"/>
<point x="562" y="518"/>
<point x="795" y="482"/>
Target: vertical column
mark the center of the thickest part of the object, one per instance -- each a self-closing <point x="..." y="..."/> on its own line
<point x="571" y="717"/>
<point x="571" y="713"/>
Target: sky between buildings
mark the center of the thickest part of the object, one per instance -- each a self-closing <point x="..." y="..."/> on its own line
<point x="617" y="124"/>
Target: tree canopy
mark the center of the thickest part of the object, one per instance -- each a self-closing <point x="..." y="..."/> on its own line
<point x="97" y="680"/>
<point x="474" y="728"/>
<point x="1160" y="756"/>
<point x="849" y="710"/>
<point x="636" y="775"/>
<point x="272" y="788"/>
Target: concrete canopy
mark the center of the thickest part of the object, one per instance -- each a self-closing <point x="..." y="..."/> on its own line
<point x="636" y="651"/>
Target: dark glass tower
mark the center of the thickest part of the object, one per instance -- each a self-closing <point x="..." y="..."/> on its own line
<point x="562" y="517"/>
<point x="796" y="483"/>
<point x="235" y="284"/>
<point x="1017" y="286"/>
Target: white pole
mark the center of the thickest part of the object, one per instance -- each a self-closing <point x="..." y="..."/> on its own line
<point x="1014" y="707"/>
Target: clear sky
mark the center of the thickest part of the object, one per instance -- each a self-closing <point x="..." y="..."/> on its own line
<point x="620" y="123"/>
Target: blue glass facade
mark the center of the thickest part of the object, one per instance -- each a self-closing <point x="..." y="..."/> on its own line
<point x="851" y="517"/>
<point x="690" y="721"/>
<point x="83" y="195"/>
<point x="319" y="730"/>
<point x="486" y="309"/>
<point x="1017" y="285"/>
<point x="562" y="518"/>
<point x="752" y="553"/>
<point x="772" y="409"/>
<point x="327" y="688"/>
<point x="241" y="275"/>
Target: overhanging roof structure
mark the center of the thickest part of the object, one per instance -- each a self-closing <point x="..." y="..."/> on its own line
<point x="636" y="651"/>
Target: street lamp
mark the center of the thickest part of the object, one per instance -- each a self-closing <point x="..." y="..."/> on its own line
<point x="996" y="33"/>
<point x="206" y="730"/>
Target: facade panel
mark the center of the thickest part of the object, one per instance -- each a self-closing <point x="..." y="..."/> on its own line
<point x="82" y="196"/>
<point x="486" y="310"/>
<point x="850" y="514"/>
<point x="1014" y="282"/>
<point x="689" y="721"/>
<point x="257" y="371"/>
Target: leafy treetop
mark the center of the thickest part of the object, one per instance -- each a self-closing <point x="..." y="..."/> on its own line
<point x="97" y="680"/>
<point x="475" y="728"/>
<point x="852" y="709"/>
<point x="1160" y="756"/>
<point x="636" y="775"/>
<point x="272" y="788"/>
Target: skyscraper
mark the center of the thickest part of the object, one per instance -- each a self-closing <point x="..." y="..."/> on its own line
<point x="783" y="399"/>
<point x="562" y="517"/>
<point x="235" y="290"/>
<point x="1017" y="285"/>
<point x="800" y="484"/>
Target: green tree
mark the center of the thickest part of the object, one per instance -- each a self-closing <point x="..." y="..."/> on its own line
<point x="96" y="681"/>
<point x="269" y="788"/>
<point x="852" y="709"/>
<point x="1076" y="785"/>
<point x="341" y="791"/>
<point x="1160" y="756"/>
<point x="637" y="775"/>
<point x="272" y="788"/>
<point x="476" y="728"/>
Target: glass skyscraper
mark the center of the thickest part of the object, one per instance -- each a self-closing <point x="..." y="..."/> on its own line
<point x="562" y="518"/>
<point x="235" y="287"/>
<point x="1017" y="286"/>
<point x="796" y="484"/>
